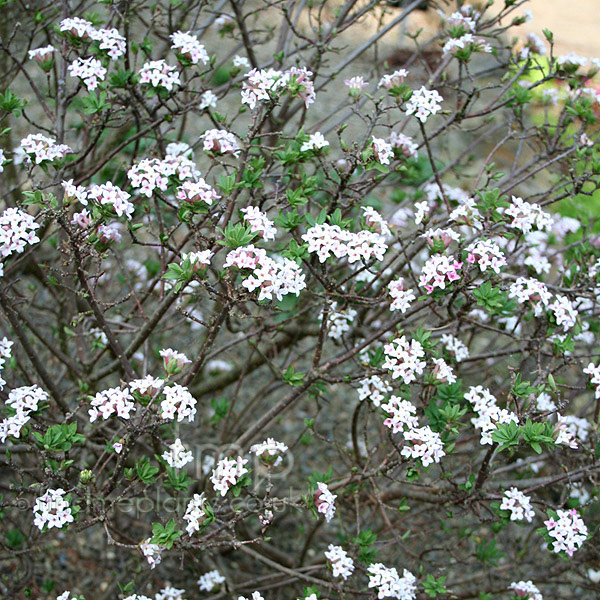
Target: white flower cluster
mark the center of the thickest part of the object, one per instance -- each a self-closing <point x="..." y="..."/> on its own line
<point x="382" y="151"/>
<point x="188" y="46"/>
<point x="41" y="54"/>
<point x="402" y="298"/>
<point x="208" y="100"/>
<point x="468" y="40"/>
<point x="438" y="271"/>
<point x="269" y="451"/>
<point x="404" y="143"/>
<point x="518" y="504"/>
<point x="40" y="148"/>
<point x="152" y="173"/>
<point x="76" y="27"/>
<point x="259" y="222"/>
<point x="403" y="414"/>
<point x="17" y="229"/>
<point x="424" y="103"/>
<point x="455" y="346"/>
<point x="442" y="371"/>
<point x="109" y="232"/>
<point x="112" y="401"/>
<point x="89" y="70"/>
<point x="259" y="85"/>
<point x="389" y="584"/>
<point x="393" y="80"/>
<point x="374" y="388"/>
<point x="426" y="445"/>
<point x="594" y="372"/>
<point x="148" y="386"/>
<point x="467" y="213"/>
<point x="325" y="501"/>
<point x="178" y="402"/>
<point x="569" y="532"/>
<point x="108" y="39"/>
<point x="330" y="240"/>
<point x="173" y="359"/>
<point x="375" y="221"/>
<point x="315" y="142"/>
<point x="341" y="564"/>
<point x="108" y="194"/>
<point x="572" y="429"/>
<point x="227" y="473"/>
<point x="152" y="552"/>
<point x="489" y="415"/>
<point x="177" y="456"/>
<point x="210" y="581"/>
<point x="265" y="84"/>
<point x="169" y="593"/>
<point x="460" y="22"/>
<point x="220" y="141"/>
<point x="339" y="321"/>
<point x="526" y="215"/>
<point x="564" y="312"/>
<point x="486" y="254"/>
<point x="197" y="191"/>
<point x="529" y="290"/>
<point x="544" y="403"/>
<point x="271" y="277"/>
<point x="195" y="513"/>
<point x="23" y="401"/>
<point x="158" y="73"/>
<point x="446" y="236"/>
<point x="402" y="358"/>
<point x="52" y="510"/>
<point x="5" y="354"/>
<point x="526" y="589"/>
<point x="255" y="596"/>
<point x="198" y="260"/>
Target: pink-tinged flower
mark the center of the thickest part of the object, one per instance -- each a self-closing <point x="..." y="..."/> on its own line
<point x="524" y="589"/>
<point x="356" y="85"/>
<point x="109" y="40"/>
<point x="196" y="192"/>
<point x="44" y="56"/>
<point x="424" y="103"/>
<point x="227" y="473"/>
<point x="315" y="143"/>
<point x="76" y="27"/>
<point x="188" y="47"/>
<point x="393" y="80"/>
<point x="198" y="260"/>
<point x="220" y="141"/>
<point x="173" y="361"/>
<point x="568" y="533"/>
<point x="259" y="223"/>
<point x="382" y="150"/>
<point x="52" y="510"/>
<point x="404" y="144"/>
<point x="325" y="501"/>
<point x="89" y="70"/>
<point x="82" y="219"/>
<point x="438" y="271"/>
<point x="158" y="73"/>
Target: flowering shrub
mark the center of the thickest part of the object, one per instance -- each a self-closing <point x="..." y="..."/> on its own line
<point x="284" y="319"/>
